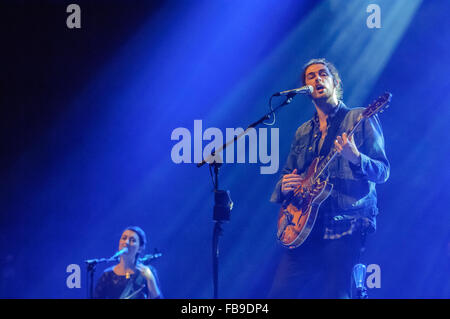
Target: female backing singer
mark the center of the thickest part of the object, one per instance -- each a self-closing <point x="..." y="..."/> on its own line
<point x="129" y="279"/>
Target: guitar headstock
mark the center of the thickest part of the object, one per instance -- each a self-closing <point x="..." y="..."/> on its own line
<point x="379" y="105"/>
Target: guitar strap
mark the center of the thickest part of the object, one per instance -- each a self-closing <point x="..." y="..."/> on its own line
<point x="333" y="130"/>
<point x="328" y="143"/>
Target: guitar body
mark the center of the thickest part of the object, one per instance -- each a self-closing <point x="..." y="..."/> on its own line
<point x="299" y="211"/>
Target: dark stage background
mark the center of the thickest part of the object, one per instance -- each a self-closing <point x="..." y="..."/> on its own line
<point x="87" y="116"/>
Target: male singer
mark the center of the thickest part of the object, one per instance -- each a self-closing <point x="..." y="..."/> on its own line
<point x="322" y="266"/>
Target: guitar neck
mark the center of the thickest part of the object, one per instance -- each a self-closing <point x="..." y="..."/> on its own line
<point x="324" y="162"/>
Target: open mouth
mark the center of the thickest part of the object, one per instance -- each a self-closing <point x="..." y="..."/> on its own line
<point x="319" y="87"/>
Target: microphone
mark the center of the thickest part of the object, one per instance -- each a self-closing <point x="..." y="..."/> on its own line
<point x="307" y="89"/>
<point x="119" y="253"/>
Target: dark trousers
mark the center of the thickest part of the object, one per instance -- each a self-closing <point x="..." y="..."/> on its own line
<point x="317" y="269"/>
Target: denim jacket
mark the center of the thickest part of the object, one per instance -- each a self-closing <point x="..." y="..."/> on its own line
<point x="354" y="196"/>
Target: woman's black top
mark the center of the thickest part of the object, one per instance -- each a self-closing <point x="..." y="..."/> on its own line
<point x="112" y="286"/>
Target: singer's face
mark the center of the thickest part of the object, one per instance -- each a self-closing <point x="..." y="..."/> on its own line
<point x="321" y="79"/>
<point x="130" y="240"/>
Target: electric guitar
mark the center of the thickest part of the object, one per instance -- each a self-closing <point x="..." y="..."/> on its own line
<point x="299" y="210"/>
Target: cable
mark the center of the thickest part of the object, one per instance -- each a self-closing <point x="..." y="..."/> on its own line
<point x="271" y="112"/>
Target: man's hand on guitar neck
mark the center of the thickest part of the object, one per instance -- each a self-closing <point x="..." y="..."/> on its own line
<point x="290" y="182"/>
<point x="346" y="147"/>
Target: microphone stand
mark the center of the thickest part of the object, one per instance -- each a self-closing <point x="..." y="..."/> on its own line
<point x="91" y="266"/>
<point x="222" y="200"/>
<point x="217" y="232"/>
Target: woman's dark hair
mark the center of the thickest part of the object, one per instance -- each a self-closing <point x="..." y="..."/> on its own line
<point x="334" y="73"/>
